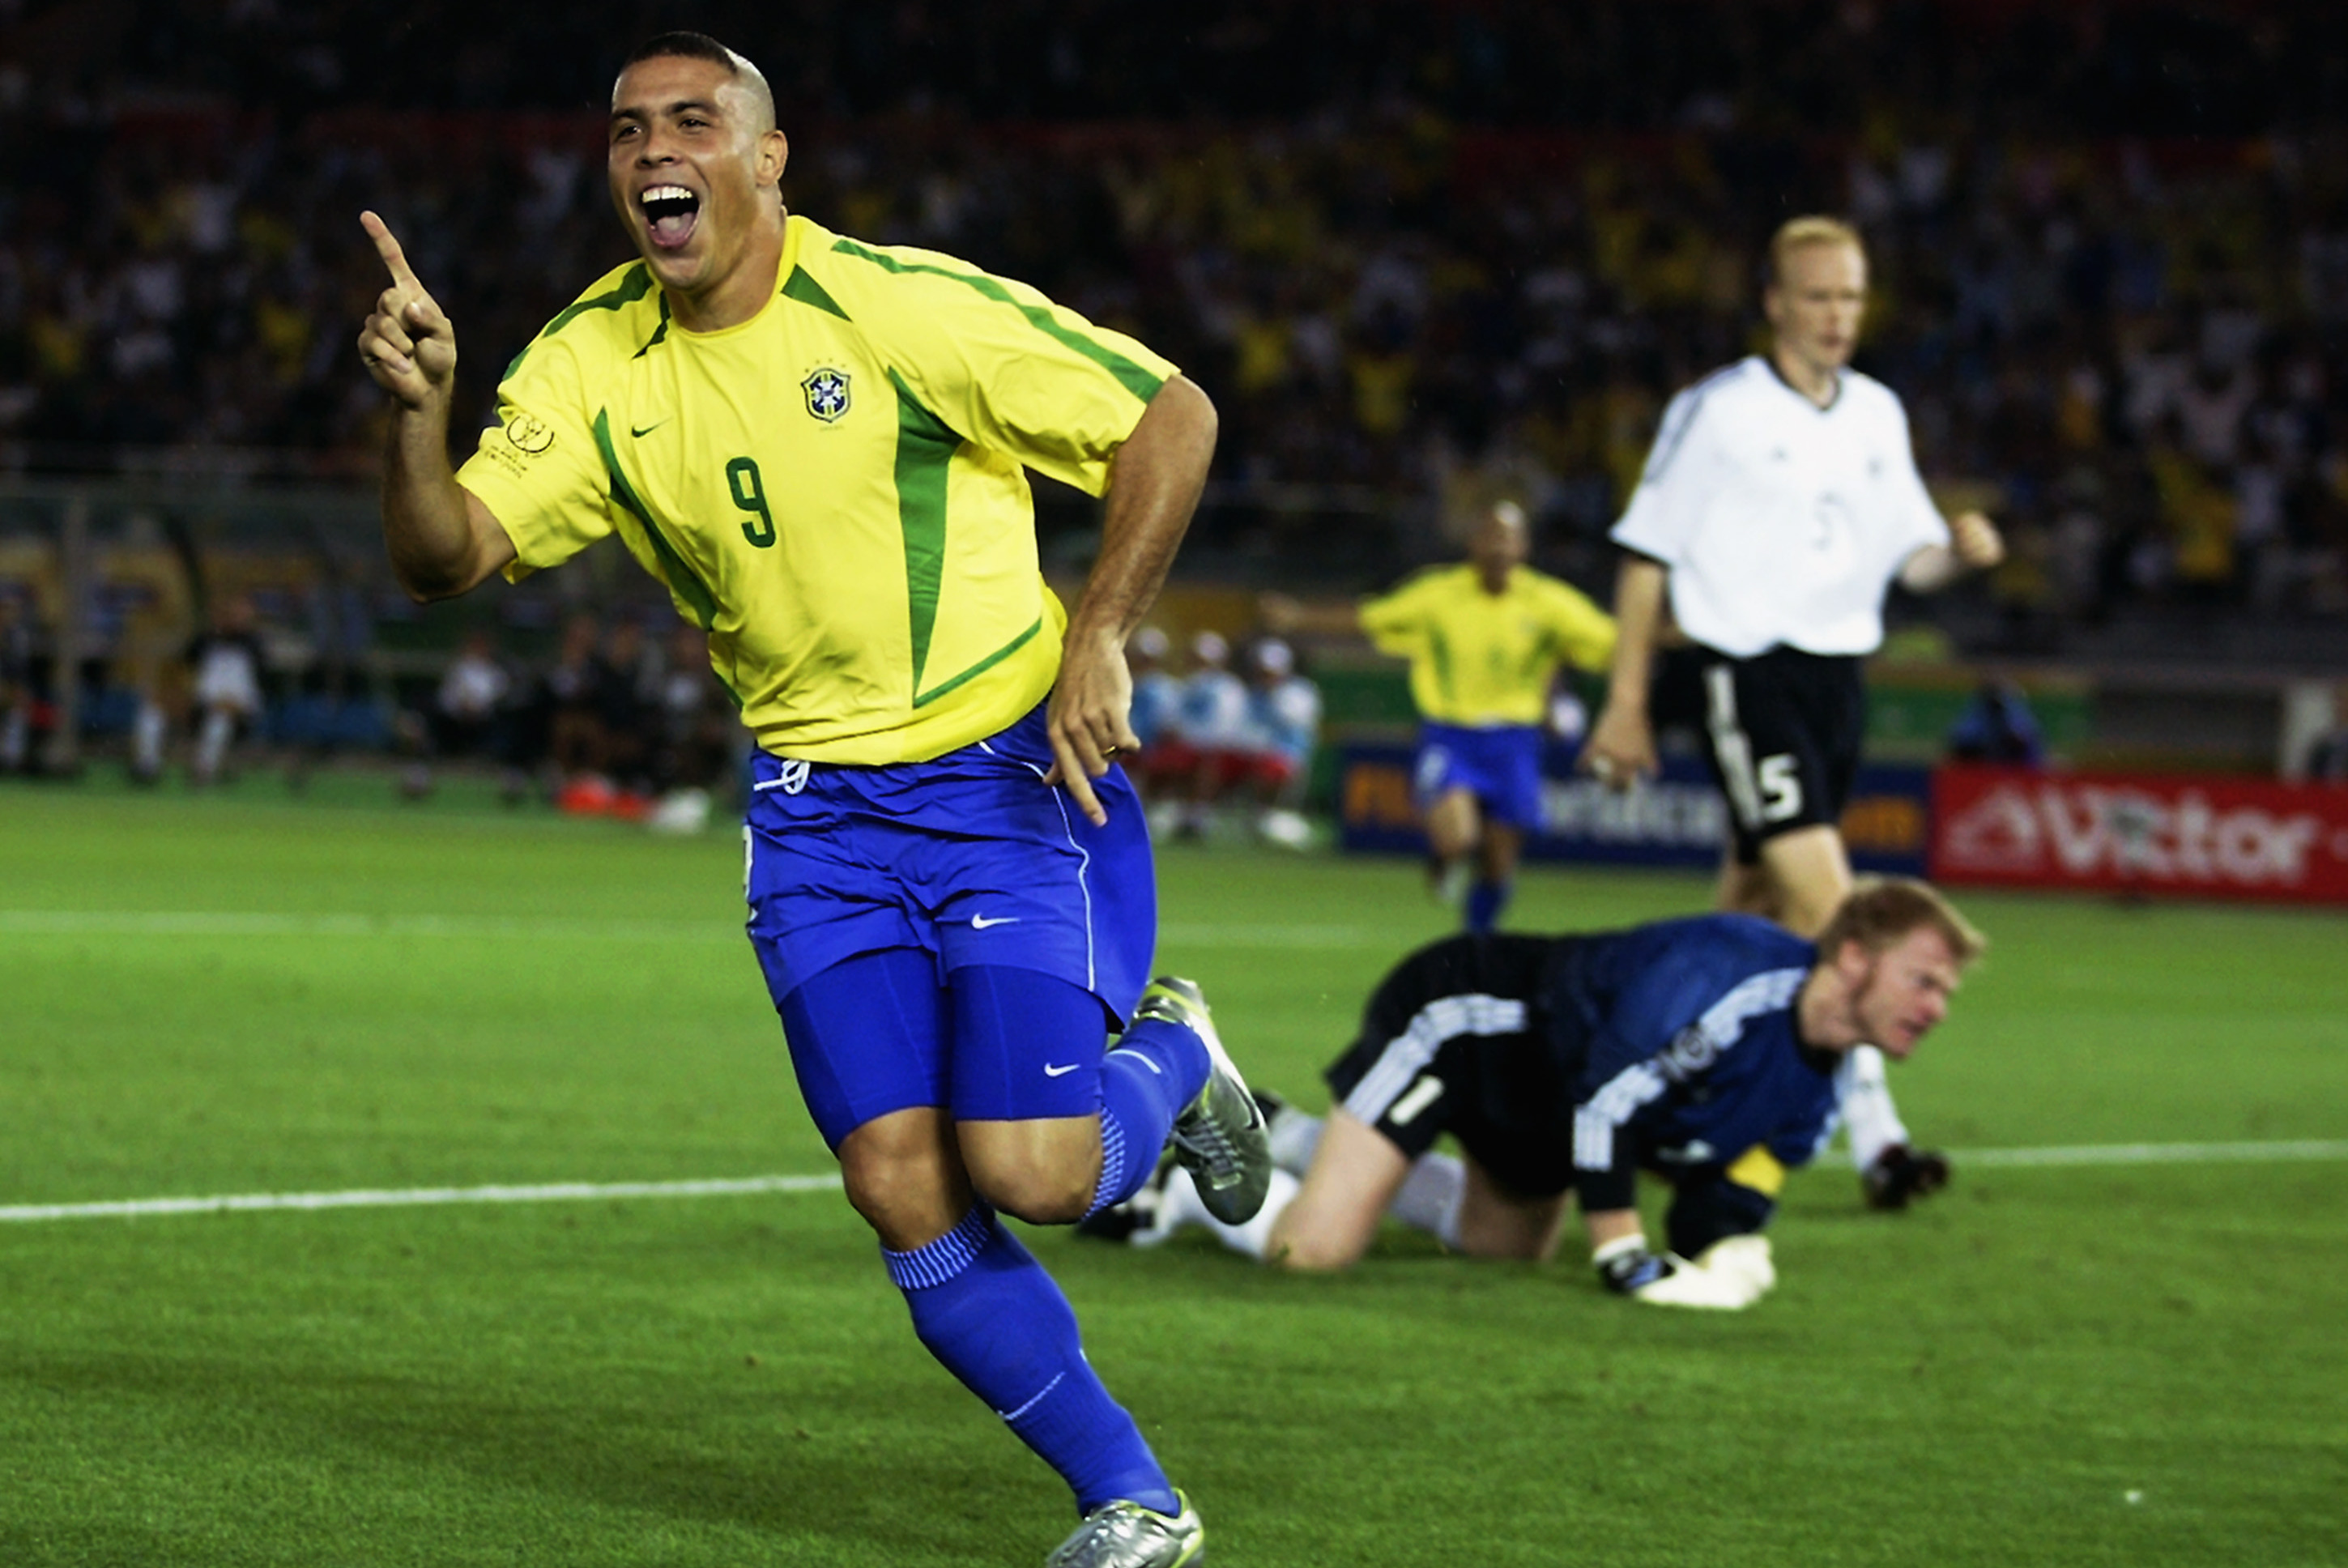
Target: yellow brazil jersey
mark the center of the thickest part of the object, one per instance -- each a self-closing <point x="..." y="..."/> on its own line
<point x="1477" y="659"/>
<point x="834" y="490"/>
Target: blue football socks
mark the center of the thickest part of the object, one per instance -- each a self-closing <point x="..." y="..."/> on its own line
<point x="1485" y="901"/>
<point x="1159" y="1068"/>
<point x="993" y="1318"/>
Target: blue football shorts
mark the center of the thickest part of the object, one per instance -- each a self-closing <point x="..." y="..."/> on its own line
<point x="970" y="862"/>
<point x="1499" y="764"/>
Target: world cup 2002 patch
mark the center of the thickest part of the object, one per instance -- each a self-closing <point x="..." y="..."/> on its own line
<point x="827" y="393"/>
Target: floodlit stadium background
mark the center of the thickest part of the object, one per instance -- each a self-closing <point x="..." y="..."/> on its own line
<point x="1421" y="256"/>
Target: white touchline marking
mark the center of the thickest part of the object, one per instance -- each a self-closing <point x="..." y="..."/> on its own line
<point x="581" y="1192"/>
<point x="405" y="1197"/>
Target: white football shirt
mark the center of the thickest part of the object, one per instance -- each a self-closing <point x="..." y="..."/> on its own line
<point x="1781" y="521"/>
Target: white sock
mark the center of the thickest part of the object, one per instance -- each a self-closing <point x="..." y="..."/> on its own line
<point x="1179" y="1205"/>
<point x="211" y="745"/>
<point x="1866" y="1109"/>
<point x="147" y="732"/>
<point x="1430" y="1197"/>
<point x="1295" y="1135"/>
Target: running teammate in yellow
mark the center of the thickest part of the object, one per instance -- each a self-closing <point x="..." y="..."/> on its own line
<point x="1484" y="640"/>
<point x="819" y="447"/>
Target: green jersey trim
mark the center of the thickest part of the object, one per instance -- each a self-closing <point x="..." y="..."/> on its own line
<point x="682" y="580"/>
<point x="925" y="446"/>
<point x="1131" y="376"/>
<point x="924" y="699"/>
<point x="633" y="284"/>
<point x="807" y="291"/>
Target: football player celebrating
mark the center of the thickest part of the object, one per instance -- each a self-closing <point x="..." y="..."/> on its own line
<point x="1705" y="1049"/>
<point x="819" y="446"/>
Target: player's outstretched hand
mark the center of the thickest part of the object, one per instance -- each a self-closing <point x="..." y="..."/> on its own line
<point x="1620" y="749"/>
<point x="1088" y="719"/>
<point x="1627" y="1268"/>
<point x="408" y="345"/>
<point x="1975" y="540"/>
<point x="1901" y="1174"/>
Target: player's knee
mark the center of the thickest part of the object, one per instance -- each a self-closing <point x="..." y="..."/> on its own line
<point x="1040" y="1193"/>
<point x="1312" y="1250"/>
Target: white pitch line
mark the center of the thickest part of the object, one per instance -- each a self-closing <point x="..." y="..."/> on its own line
<point x="2156" y="1153"/>
<point x="579" y="1191"/>
<point x="405" y="1197"/>
<point x="267" y="922"/>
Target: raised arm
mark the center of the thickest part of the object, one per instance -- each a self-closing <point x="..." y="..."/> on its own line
<point x="1153" y="488"/>
<point x="441" y="539"/>
<point x="1622" y="745"/>
<point x="1974" y="545"/>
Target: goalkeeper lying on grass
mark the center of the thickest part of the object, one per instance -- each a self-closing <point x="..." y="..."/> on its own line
<point x="1707" y="1050"/>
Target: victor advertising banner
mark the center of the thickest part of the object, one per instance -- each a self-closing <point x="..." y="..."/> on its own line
<point x="2221" y="838"/>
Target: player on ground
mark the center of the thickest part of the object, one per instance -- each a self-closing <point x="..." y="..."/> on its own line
<point x="1780" y="502"/>
<point x="1484" y="640"/>
<point x="1707" y="1049"/>
<point x="819" y="446"/>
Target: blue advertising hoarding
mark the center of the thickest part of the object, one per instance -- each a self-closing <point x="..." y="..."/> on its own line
<point x="1676" y="819"/>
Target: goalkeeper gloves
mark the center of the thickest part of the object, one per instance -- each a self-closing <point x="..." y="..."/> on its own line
<point x="1901" y="1174"/>
<point x="1628" y="1268"/>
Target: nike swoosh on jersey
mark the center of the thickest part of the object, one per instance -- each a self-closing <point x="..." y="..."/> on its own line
<point x="640" y="432"/>
<point x="979" y="922"/>
<point x="1050" y="1071"/>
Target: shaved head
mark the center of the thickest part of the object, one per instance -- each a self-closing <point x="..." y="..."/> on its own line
<point x="702" y="46"/>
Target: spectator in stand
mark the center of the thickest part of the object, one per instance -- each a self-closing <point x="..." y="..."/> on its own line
<point x="570" y="699"/>
<point x="226" y="663"/>
<point x="1208" y="729"/>
<point x="697" y="736"/>
<point x="2327" y="755"/>
<point x="1156" y="693"/>
<point x="1997" y="725"/>
<point x="468" y="715"/>
<point x="16" y="687"/>
<point x="1283" y="723"/>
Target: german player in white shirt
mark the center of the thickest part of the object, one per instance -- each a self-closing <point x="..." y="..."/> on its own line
<point x="1780" y="502"/>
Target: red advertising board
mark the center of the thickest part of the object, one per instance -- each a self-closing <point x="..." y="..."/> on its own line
<point x="2205" y="838"/>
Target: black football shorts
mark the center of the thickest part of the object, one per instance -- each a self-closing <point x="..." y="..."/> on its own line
<point x="1784" y="730"/>
<point x="1455" y="1040"/>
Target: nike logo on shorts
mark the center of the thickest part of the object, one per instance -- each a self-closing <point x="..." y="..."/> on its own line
<point x="979" y="922"/>
<point x="1050" y="1071"/>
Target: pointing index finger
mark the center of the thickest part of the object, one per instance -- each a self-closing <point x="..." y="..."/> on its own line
<point x="386" y="246"/>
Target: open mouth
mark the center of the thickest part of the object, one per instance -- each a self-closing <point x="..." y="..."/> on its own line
<point x="670" y="211"/>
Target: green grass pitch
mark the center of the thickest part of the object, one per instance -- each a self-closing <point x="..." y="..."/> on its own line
<point x="2120" y="1365"/>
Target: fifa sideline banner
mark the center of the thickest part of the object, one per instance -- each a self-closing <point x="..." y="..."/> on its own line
<point x="2135" y="833"/>
<point x="1676" y="819"/>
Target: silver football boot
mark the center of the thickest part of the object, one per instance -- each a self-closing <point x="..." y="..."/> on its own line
<point x="1221" y="1136"/>
<point x="1127" y="1535"/>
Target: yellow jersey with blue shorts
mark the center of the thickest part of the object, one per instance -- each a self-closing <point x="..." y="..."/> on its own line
<point x="834" y="490"/>
<point x="1480" y="668"/>
<point x="1478" y="658"/>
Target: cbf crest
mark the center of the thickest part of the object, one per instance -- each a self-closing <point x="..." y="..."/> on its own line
<point x="827" y="393"/>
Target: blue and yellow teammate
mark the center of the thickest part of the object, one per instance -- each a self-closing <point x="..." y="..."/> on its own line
<point x="1484" y="640"/>
<point x="818" y="446"/>
<point x="1710" y="1050"/>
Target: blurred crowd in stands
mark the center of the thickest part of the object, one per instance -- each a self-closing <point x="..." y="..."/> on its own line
<point x="1419" y="255"/>
<point x="1413" y="251"/>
